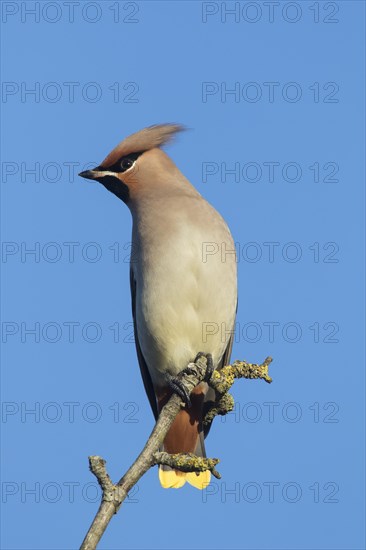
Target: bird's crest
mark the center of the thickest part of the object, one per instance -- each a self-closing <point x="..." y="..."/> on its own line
<point x="148" y="138"/>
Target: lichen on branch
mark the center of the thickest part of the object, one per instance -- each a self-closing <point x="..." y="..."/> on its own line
<point x="187" y="462"/>
<point x="222" y="380"/>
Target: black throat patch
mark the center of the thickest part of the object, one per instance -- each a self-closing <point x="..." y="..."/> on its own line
<point x="116" y="186"/>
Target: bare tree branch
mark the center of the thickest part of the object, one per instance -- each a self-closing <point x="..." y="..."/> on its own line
<point x="114" y="495"/>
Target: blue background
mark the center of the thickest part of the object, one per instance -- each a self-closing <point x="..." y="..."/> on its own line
<point x="312" y="448"/>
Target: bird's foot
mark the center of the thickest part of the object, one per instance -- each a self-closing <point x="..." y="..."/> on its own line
<point x="210" y="366"/>
<point x="176" y="384"/>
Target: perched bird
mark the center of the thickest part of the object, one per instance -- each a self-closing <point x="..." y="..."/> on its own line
<point x="183" y="281"/>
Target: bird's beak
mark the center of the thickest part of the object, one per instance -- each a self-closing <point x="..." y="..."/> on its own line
<point x="91" y="174"/>
<point x="97" y="173"/>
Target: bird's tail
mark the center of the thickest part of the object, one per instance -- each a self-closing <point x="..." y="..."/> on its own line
<point x="174" y="479"/>
<point x="186" y="436"/>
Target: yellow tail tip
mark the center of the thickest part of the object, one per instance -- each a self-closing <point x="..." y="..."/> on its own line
<point x="200" y="481"/>
<point x="171" y="479"/>
<point x="174" y="479"/>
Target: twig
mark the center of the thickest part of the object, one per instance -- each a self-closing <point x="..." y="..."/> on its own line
<point x="222" y="380"/>
<point x="188" y="462"/>
<point x="114" y="495"/>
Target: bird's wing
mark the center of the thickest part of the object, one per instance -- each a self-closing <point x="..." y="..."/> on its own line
<point x="227" y="354"/>
<point x="211" y="394"/>
<point x="146" y="378"/>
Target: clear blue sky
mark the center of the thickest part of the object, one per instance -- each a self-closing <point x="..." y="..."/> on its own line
<point x="292" y="131"/>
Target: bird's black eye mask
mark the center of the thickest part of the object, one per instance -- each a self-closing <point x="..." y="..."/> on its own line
<point x="124" y="163"/>
<point x="113" y="184"/>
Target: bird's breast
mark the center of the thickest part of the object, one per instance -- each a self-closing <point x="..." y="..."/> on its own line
<point x="186" y="290"/>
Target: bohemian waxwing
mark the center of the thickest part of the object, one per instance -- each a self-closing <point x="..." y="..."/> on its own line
<point x="183" y="281"/>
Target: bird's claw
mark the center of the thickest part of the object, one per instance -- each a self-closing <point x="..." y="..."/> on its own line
<point x="209" y="367"/>
<point x="176" y="384"/>
<point x="179" y="388"/>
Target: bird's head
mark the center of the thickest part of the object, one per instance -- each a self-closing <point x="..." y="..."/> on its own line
<point x="137" y="159"/>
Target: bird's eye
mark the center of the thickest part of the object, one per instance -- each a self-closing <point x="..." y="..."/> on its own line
<point x="126" y="164"/>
